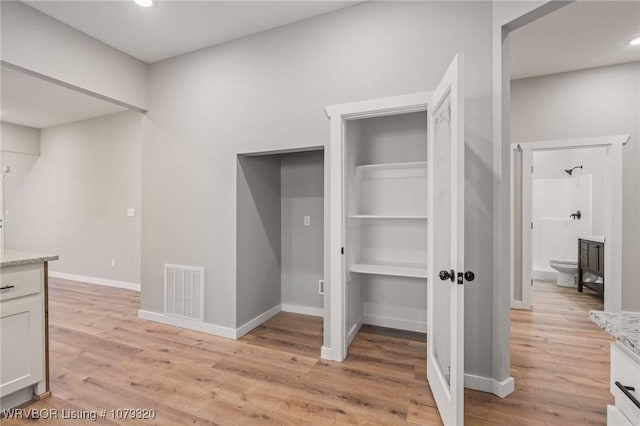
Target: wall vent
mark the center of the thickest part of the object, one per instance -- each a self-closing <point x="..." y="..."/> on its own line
<point x="184" y="291"/>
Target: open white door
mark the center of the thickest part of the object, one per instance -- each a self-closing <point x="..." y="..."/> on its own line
<point x="445" y="335"/>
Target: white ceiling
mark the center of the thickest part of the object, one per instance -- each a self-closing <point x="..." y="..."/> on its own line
<point x="33" y="102"/>
<point x="171" y="28"/>
<point x="584" y="34"/>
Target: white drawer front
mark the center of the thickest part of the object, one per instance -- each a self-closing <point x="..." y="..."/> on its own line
<point x="616" y="418"/>
<point x="21" y="281"/>
<point x="625" y="369"/>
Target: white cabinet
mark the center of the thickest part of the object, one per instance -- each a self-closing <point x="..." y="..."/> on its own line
<point x="625" y="387"/>
<point x="22" y="334"/>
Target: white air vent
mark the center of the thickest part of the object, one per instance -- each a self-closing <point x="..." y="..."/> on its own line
<point x="183" y="291"/>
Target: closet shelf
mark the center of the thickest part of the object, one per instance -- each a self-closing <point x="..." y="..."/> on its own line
<point x="377" y="216"/>
<point x="397" y="270"/>
<point x="417" y="168"/>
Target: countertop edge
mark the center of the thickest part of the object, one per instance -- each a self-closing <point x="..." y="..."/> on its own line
<point x="28" y="260"/>
<point x="605" y="320"/>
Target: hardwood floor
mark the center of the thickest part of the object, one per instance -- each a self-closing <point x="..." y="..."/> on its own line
<point x="104" y="357"/>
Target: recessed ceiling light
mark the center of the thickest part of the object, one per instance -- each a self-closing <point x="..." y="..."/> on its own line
<point x="635" y="41"/>
<point x="144" y="3"/>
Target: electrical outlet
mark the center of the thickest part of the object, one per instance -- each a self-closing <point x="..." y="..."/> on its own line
<point x="307" y="221"/>
<point x="320" y="287"/>
<point x="113" y="263"/>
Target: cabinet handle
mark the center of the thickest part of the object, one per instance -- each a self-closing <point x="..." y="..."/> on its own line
<point x="625" y="390"/>
<point x="7" y="287"/>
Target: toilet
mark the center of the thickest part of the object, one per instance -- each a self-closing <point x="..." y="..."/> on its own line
<point x="567" y="272"/>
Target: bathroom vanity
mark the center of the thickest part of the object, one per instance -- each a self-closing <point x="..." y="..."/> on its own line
<point x="24" y="336"/>
<point x="625" y="365"/>
<point x="591" y="264"/>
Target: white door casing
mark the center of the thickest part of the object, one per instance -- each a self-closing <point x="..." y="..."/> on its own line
<point x="445" y="335"/>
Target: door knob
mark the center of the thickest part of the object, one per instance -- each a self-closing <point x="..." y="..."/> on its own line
<point x="447" y="275"/>
<point x="469" y="276"/>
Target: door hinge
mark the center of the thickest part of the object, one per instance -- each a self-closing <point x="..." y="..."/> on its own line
<point x="342" y="250"/>
<point x="531" y="169"/>
<point x="531" y="225"/>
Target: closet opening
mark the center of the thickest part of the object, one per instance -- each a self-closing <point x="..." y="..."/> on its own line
<point x="385" y="199"/>
<point x="280" y="249"/>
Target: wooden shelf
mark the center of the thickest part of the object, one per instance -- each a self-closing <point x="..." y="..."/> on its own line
<point x="396" y="270"/>
<point x="376" y="216"/>
<point x="408" y="169"/>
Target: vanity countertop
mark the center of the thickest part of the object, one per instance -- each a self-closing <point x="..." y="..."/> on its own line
<point x="596" y="238"/>
<point x="624" y="326"/>
<point x="16" y="258"/>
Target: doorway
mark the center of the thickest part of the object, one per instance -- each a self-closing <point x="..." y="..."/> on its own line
<point x="280" y="242"/>
<point x="564" y="193"/>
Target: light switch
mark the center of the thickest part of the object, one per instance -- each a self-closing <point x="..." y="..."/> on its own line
<point x="131" y="212"/>
<point x="307" y="221"/>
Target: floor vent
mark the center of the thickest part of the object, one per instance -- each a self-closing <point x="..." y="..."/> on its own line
<point x="184" y="291"/>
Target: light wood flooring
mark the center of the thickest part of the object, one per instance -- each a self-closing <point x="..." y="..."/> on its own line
<point x="104" y="357"/>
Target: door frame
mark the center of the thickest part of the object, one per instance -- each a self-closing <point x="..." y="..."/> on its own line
<point x="613" y="214"/>
<point x="335" y="343"/>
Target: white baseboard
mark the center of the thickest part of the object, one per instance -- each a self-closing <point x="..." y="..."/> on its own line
<point x="397" y="323"/>
<point x="353" y="331"/>
<point x="95" y="280"/>
<point x="326" y="353"/>
<point x="490" y="385"/>
<point x="542" y="275"/>
<point x="401" y="318"/>
<point x="202" y="327"/>
<point x="303" y="310"/>
<point x="519" y="304"/>
<point x="251" y="324"/>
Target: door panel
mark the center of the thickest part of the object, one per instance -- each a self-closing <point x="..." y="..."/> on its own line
<point x="445" y="337"/>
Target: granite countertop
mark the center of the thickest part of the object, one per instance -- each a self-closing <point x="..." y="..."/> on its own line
<point x="624" y="326"/>
<point x="596" y="238"/>
<point x="16" y="258"/>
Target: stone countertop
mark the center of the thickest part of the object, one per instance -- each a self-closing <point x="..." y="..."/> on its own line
<point x="16" y="258"/>
<point x="596" y="238"/>
<point x="624" y="326"/>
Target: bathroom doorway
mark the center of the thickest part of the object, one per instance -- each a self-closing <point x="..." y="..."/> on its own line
<point x="565" y="192"/>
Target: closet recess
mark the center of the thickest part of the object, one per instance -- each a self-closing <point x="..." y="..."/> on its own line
<point x="386" y="222"/>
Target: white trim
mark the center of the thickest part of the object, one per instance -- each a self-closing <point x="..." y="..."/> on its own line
<point x="519" y="304"/>
<point x="541" y="275"/>
<point x="326" y="352"/>
<point x="353" y="331"/>
<point x="203" y="327"/>
<point x="487" y="384"/>
<point x="95" y="280"/>
<point x="574" y="142"/>
<point x="251" y="324"/>
<point x="412" y="102"/>
<point x="303" y="310"/>
<point x="397" y="323"/>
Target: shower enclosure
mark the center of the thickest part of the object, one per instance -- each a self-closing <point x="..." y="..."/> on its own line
<point x="556" y="221"/>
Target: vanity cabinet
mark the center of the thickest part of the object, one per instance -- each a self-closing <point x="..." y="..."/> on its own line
<point x="23" y="334"/>
<point x="625" y="387"/>
<point x="591" y="259"/>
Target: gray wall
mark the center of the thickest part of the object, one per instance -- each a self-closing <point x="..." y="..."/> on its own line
<point x="267" y="92"/>
<point x="302" y="178"/>
<point x="594" y="102"/>
<point x="19" y="139"/>
<point x="72" y="200"/>
<point x="258" y="241"/>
